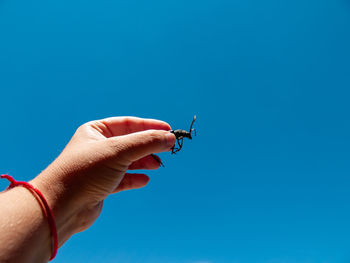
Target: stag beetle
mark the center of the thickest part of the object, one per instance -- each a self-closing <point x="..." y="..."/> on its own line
<point x="181" y="134"/>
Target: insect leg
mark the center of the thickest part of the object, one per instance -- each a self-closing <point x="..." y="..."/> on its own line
<point x="174" y="149"/>
<point x="179" y="142"/>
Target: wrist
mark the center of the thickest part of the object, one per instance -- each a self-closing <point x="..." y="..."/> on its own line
<point x="71" y="214"/>
<point x="24" y="228"/>
<point x="64" y="214"/>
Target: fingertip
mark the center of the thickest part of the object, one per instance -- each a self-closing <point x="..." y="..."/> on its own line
<point x="149" y="162"/>
<point x="141" y="181"/>
<point x="158" y="160"/>
<point x="132" y="181"/>
<point x="171" y="139"/>
<point x="163" y="125"/>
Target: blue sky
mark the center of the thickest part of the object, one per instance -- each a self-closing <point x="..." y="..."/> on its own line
<point x="267" y="178"/>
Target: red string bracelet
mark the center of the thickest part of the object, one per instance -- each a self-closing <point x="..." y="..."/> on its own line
<point x="44" y="206"/>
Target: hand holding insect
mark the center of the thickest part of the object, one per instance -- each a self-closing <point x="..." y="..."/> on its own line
<point x="180" y="135"/>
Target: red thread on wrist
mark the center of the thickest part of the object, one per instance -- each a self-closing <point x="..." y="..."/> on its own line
<point x="44" y="206"/>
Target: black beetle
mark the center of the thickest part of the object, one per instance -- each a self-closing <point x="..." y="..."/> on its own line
<point x="181" y="134"/>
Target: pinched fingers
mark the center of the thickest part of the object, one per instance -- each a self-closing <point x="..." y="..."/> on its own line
<point x="132" y="147"/>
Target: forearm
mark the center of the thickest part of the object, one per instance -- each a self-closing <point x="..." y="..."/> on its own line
<point x="24" y="231"/>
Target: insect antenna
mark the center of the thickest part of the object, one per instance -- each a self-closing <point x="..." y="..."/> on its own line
<point x="192" y="129"/>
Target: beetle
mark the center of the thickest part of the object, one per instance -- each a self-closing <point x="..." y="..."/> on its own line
<point x="181" y="134"/>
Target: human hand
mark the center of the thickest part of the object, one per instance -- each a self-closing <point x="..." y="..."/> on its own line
<point x="94" y="165"/>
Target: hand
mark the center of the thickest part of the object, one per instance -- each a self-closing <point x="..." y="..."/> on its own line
<point x="94" y="165"/>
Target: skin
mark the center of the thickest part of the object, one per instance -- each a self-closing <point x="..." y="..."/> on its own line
<point x="93" y="166"/>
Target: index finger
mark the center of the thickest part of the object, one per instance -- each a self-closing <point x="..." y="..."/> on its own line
<point x="117" y="126"/>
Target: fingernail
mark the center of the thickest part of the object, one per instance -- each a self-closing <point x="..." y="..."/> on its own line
<point x="171" y="139"/>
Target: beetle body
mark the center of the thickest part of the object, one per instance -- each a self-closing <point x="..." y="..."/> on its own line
<point x="179" y="134"/>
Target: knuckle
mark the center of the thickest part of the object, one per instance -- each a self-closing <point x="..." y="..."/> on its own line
<point x="127" y="125"/>
<point x="82" y="129"/>
<point x="86" y="125"/>
<point x="126" y="120"/>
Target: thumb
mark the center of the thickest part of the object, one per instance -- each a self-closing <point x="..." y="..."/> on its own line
<point x="135" y="146"/>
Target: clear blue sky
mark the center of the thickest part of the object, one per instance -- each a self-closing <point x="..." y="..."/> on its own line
<point x="267" y="178"/>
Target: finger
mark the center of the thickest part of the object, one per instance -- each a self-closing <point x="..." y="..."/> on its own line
<point x="158" y="160"/>
<point x="132" y="181"/>
<point x="132" y="147"/>
<point x="148" y="163"/>
<point x="116" y="126"/>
